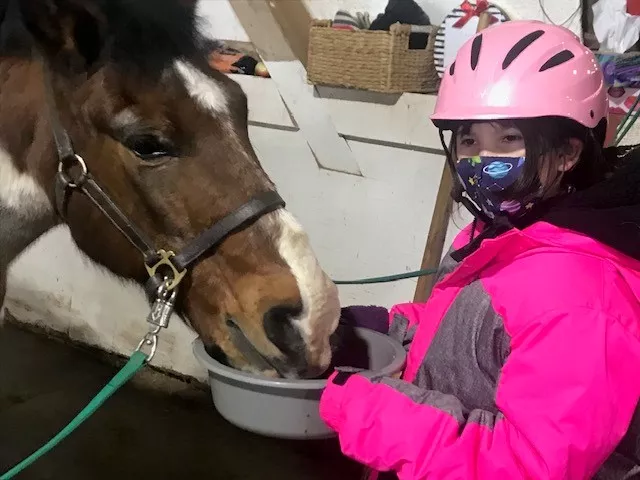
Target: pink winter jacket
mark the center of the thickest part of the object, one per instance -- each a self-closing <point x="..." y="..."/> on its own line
<point x="524" y="363"/>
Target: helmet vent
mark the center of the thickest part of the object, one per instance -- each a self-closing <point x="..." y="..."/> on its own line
<point x="475" y="51"/>
<point x="452" y="68"/>
<point x="557" y="59"/>
<point x="520" y="46"/>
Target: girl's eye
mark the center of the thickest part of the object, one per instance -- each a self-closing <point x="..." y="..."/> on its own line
<point x="467" y="142"/>
<point x="512" y="138"/>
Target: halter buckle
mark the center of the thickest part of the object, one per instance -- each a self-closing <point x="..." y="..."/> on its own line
<point x="165" y="260"/>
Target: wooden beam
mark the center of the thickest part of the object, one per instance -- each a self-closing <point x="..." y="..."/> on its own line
<point x="437" y="235"/>
<point x="309" y="112"/>
<point x="294" y="20"/>
<point x="263" y="30"/>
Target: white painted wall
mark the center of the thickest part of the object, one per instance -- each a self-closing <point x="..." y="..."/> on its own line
<point x="359" y="226"/>
<point x="225" y="24"/>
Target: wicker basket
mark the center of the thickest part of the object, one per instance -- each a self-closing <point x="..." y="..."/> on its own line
<point x="375" y="60"/>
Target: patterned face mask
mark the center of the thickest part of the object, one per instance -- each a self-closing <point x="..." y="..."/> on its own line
<point x="485" y="178"/>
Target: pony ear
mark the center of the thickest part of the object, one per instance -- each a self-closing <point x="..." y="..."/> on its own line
<point x="69" y="33"/>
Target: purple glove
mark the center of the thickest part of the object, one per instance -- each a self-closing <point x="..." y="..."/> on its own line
<point x="371" y="317"/>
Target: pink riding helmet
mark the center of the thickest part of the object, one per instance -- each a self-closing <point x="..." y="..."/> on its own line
<point x="522" y="69"/>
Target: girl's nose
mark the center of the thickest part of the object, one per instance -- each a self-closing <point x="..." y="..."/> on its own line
<point x="488" y="153"/>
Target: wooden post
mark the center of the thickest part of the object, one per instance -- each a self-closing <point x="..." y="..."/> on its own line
<point x="437" y="235"/>
<point x="483" y="21"/>
<point x="440" y="219"/>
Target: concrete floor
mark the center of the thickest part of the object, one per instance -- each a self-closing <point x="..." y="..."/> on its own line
<point x="138" y="433"/>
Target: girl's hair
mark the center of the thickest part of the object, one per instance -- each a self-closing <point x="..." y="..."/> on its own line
<point x="544" y="136"/>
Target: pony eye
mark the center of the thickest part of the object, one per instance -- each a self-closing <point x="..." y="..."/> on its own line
<point x="148" y="147"/>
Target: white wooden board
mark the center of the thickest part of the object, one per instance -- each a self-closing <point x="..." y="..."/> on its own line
<point x="289" y="75"/>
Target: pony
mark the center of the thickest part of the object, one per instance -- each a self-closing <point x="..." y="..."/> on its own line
<point x="115" y="99"/>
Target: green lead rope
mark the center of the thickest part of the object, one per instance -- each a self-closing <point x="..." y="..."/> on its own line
<point x="135" y="363"/>
<point x="388" y="278"/>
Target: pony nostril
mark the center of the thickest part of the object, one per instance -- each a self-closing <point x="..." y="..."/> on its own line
<point x="280" y="329"/>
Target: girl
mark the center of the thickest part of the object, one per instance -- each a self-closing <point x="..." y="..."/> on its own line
<point x="525" y="361"/>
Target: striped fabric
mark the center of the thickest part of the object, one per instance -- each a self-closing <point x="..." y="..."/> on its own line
<point x="438" y="54"/>
<point x="344" y="19"/>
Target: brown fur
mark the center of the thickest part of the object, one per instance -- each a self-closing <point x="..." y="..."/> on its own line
<point x="172" y="199"/>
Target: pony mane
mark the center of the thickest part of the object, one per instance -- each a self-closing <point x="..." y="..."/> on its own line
<point x="147" y="35"/>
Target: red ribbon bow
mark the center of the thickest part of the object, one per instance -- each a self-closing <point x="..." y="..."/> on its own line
<point x="470" y="10"/>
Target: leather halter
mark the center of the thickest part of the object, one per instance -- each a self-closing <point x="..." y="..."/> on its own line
<point x="175" y="265"/>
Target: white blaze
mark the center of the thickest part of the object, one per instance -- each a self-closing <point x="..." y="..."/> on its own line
<point x="321" y="305"/>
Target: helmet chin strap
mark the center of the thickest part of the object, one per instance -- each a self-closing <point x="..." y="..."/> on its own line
<point x="458" y="194"/>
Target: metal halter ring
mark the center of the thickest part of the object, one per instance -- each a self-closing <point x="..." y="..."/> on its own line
<point x="80" y="161"/>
